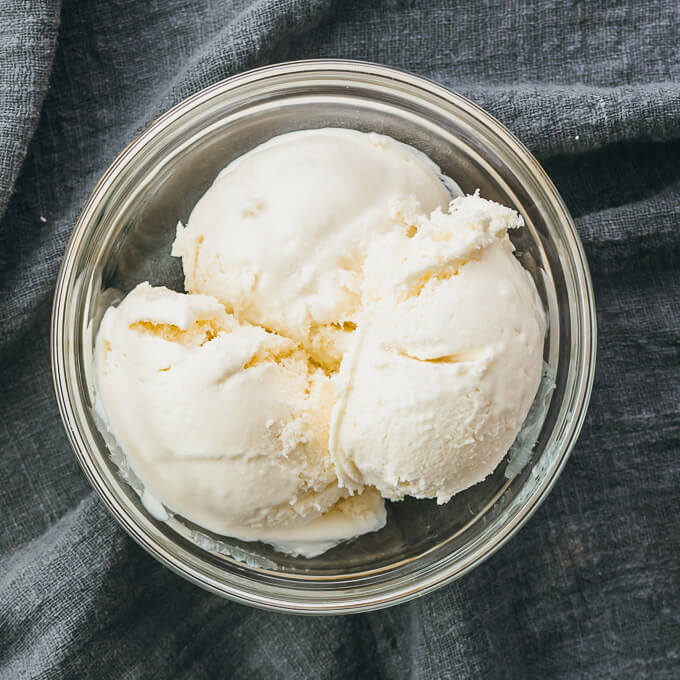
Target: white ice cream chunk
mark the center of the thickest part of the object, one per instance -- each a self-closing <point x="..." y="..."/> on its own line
<point x="348" y="518"/>
<point x="446" y="359"/>
<point x="281" y="236"/>
<point x="226" y="423"/>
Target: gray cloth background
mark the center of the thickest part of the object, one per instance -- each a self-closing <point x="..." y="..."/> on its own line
<point x="590" y="588"/>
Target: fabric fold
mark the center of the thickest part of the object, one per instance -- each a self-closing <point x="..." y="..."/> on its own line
<point x="28" y="37"/>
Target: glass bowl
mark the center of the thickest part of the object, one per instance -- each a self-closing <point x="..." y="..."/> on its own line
<point x="123" y="237"/>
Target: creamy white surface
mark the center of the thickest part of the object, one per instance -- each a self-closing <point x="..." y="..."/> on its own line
<point x="281" y="235"/>
<point x="348" y="518"/>
<point x="223" y="445"/>
<point x="446" y="359"/>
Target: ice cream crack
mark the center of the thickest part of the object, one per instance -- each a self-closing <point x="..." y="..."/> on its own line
<point x="200" y="332"/>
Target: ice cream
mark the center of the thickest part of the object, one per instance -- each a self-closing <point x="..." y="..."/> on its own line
<point x="349" y="333"/>
<point x="446" y="359"/>
<point x="281" y="235"/>
<point x="225" y="422"/>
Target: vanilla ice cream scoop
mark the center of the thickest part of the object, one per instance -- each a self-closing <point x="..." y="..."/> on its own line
<point x="446" y="359"/>
<point x="281" y="235"/>
<point x="225" y="422"/>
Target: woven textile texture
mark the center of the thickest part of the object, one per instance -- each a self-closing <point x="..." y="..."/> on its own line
<point x="590" y="588"/>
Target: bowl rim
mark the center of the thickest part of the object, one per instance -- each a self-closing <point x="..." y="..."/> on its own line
<point x="436" y="577"/>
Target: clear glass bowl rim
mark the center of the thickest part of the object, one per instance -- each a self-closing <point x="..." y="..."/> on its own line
<point x="363" y="598"/>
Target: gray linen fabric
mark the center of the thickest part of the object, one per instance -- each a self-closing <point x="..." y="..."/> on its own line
<point x="591" y="586"/>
